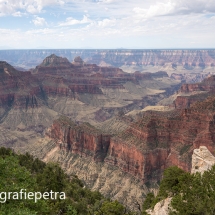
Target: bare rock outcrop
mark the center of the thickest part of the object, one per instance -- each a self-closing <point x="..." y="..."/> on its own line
<point x="202" y="160"/>
<point x="161" y="208"/>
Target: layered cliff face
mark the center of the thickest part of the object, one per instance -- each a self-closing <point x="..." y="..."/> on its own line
<point x="83" y="139"/>
<point x="207" y="84"/>
<point x="22" y="100"/>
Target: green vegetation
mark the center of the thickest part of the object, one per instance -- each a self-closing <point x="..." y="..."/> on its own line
<point x="192" y="194"/>
<point x="184" y="149"/>
<point x="148" y="201"/>
<point x="24" y="172"/>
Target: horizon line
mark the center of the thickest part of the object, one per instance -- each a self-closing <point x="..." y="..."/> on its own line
<point x="11" y="49"/>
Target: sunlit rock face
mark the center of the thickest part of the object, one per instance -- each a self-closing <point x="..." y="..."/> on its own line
<point x="202" y="160"/>
<point x="161" y="208"/>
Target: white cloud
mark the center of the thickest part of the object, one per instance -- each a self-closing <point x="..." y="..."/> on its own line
<point x="116" y="7"/>
<point x="106" y="1"/>
<point x="107" y="23"/>
<point x="8" y="7"/>
<point x="155" y="10"/>
<point x="38" y="21"/>
<point x="18" y="14"/>
<point x="42" y="31"/>
<point x="175" y="7"/>
<point x="71" y="21"/>
<point x="178" y="22"/>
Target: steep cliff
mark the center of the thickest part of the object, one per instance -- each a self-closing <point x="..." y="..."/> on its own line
<point x="83" y="139"/>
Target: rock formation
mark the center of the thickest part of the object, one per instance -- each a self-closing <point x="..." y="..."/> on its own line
<point x="202" y="160"/>
<point x="18" y="89"/>
<point x="161" y="208"/>
<point x="84" y="139"/>
<point x="78" y="61"/>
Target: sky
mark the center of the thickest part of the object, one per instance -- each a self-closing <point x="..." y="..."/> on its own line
<point x="107" y="24"/>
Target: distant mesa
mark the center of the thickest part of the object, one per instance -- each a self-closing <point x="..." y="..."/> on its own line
<point x="78" y="61"/>
<point x="54" y="60"/>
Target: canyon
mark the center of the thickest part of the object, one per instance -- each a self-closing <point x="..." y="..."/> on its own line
<point x="84" y="92"/>
<point x="79" y="115"/>
<point x="127" y="165"/>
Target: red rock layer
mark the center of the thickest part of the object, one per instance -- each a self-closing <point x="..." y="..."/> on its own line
<point x="83" y="140"/>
